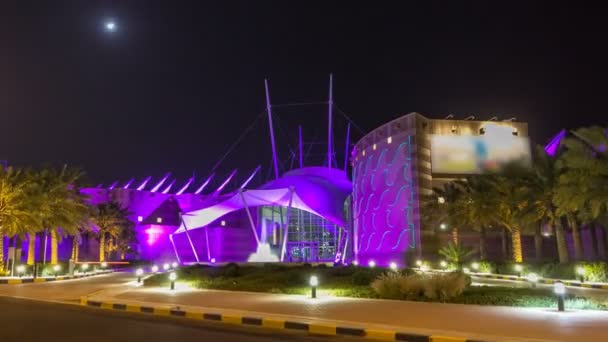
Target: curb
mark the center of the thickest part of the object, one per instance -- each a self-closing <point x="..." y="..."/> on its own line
<point x="274" y="323"/>
<point x="542" y="281"/>
<point x="44" y="280"/>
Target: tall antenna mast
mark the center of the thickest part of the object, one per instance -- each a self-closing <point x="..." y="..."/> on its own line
<point x="329" y="126"/>
<point x="347" y="146"/>
<point x="301" y="155"/>
<point x="274" y="148"/>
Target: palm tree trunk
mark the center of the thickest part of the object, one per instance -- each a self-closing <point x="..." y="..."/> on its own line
<point x="455" y="236"/>
<point x="31" y="249"/>
<point x="594" y="241"/>
<point x="75" y="248"/>
<point x="562" y="249"/>
<point x="505" y="244"/>
<point x="516" y="242"/>
<point x="576" y="236"/>
<point x="605" y="242"/>
<point x="2" y="252"/>
<point x="102" y="244"/>
<point x="483" y="247"/>
<point x="41" y="258"/>
<point x="538" y="243"/>
<point x="54" y="255"/>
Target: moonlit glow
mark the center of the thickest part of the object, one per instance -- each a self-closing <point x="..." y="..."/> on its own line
<point x="110" y="26"/>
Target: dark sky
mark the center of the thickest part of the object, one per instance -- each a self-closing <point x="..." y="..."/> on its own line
<point x="179" y="81"/>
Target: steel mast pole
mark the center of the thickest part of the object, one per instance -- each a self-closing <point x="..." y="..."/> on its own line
<point x="274" y="148"/>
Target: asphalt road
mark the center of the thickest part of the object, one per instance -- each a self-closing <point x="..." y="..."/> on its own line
<point x="25" y="320"/>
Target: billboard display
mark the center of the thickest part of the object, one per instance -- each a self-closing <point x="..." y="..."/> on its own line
<point x="462" y="154"/>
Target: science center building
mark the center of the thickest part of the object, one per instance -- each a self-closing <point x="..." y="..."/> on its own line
<point x="319" y="213"/>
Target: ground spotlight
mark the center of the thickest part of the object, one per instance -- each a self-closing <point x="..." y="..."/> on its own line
<point x="314" y="282"/>
<point x="466" y="270"/>
<point x="424" y="267"/>
<point x="371" y="264"/>
<point x="393" y="266"/>
<point x="20" y="270"/>
<point x="56" y="269"/>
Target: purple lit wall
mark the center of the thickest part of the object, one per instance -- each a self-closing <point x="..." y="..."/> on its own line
<point x="383" y="202"/>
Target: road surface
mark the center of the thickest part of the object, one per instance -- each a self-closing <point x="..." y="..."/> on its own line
<point x="27" y="320"/>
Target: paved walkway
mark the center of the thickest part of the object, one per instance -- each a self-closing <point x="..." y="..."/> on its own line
<point x="498" y="323"/>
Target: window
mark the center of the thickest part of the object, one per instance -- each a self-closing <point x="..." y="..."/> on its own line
<point x="140" y="218"/>
<point x="223" y="223"/>
<point x="159" y="220"/>
<point x="389" y="140"/>
<point x="515" y="131"/>
<point x="374" y="147"/>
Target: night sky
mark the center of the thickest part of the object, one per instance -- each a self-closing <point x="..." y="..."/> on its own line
<point x="179" y="81"/>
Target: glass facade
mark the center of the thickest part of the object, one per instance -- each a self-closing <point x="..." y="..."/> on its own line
<point x="311" y="238"/>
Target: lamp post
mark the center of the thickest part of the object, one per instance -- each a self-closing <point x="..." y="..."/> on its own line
<point x="139" y="272"/>
<point x="154" y="268"/>
<point x="172" y="277"/>
<point x="518" y="268"/>
<point x="581" y="273"/>
<point x="560" y="291"/>
<point x="314" y="282"/>
<point x="20" y="270"/>
<point x="165" y="267"/>
<point x="56" y="269"/>
<point x="533" y="279"/>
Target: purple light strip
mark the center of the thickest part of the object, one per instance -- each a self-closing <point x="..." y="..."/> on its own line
<point x="250" y="177"/>
<point x="300" y="146"/>
<point x="198" y="191"/>
<point x="551" y="148"/>
<point x="186" y="186"/>
<point x="330" y="115"/>
<point x="217" y="192"/>
<point x="113" y="185"/>
<point x="128" y="183"/>
<point x="347" y="146"/>
<point x="174" y="249"/>
<point x="143" y="184"/>
<point x="155" y="189"/>
<point x="274" y="148"/>
<point x="168" y="187"/>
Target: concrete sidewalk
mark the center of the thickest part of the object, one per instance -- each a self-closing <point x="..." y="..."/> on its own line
<point x="473" y="322"/>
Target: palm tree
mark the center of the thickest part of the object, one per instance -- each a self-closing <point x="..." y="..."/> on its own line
<point x="111" y="220"/>
<point x="447" y="206"/>
<point x="480" y="204"/>
<point x="456" y="254"/>
<point x="16" y="208"/>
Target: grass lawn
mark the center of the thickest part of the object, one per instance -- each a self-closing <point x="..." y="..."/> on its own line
<point x="348" y="281"/>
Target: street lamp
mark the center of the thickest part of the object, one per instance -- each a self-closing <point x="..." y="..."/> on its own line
<point x="56" y="269"/>
<point x="139" y="272"/>
<point x="533" y="279"/>
<point x="371" y="264"/>
<point x="20" y="270"/>
<point x="518" y="268"/>
<point x="581" y="273"/>
<point x="560" y="291"/>
<point x="393" y="266"/>
<point x="314" y="282"/>
<point x="172" y="277"/>
<point x="165" y="267"/>
<point x="154" y="268"/>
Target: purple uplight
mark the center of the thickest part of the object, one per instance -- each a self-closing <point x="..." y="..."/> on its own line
<point x="153" y="235"/>
<point x="552" y="146"/>
<point x="186" y="186"/>
<point x="198" y="191"/>
<point x="128" y="183"/>
<point x="113" y="185"/>
<point x="157" y="186"/>
<point x="168" y="187"/>
<point x="250" y="177"/>
<point x="143" y="184"/>
<point x="218" y="190"/>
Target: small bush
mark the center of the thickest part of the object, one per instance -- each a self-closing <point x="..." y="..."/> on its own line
<point x="559" y="271"/>
<point x="363" y="277"/>
<point x="486" y="267"/>
<point x="388" y="285"/>
<point x="231" y="270"/>
<point x="596" y="271"/>
<point x="444" y="286"/>
<point x="441" y="286"/>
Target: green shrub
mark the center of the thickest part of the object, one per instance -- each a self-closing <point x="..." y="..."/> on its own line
<point x="231" y="270"/>
<point x="439" y="286"/>
<point x="363" y="277"/>
<point x="556" y="270"/>
<point x="595" y="271"/>
<point x="444" y="286"/>
<point x="486" y="267"/>
<point x="388" y="285"/>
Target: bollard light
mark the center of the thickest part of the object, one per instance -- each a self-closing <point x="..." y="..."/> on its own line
<point x="85" y="267"/>
<point x="154" y="268"/>
<point x="533" y="279"/>
<point x="581" y="273"/>
<point x="174" y="264"/>
<point x="393" y="266"/>
<point x="475" y="266"/>
<point x="172" y="277"/>
<point x="371" y="264"/>
<point x="56" y="269"/>
<point x="424" y="267"/>
<point x="213" y="260"/>
<point x="165" y="267"/>
<point x="443" y="264"/>
<point x="560" y="291"/>
<point x="104" y="264"/>
<point x="518" y="268"/>
<point x="139" y="272"/>
<point x="20" y="270"/>
<point x="418" y="263"/>
<point x="314" y="282"/>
